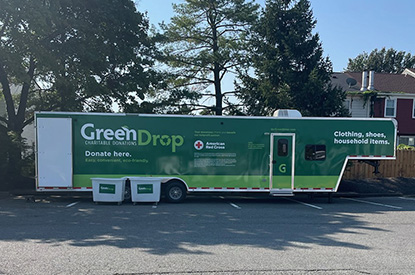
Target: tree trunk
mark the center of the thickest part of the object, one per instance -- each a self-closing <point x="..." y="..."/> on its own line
<point x="15" y="122"/>
<point x="218" y="91"/>
<point x="216" y="66"/>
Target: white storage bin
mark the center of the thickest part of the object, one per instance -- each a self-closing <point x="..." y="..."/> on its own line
<point x="145" y="189"/>
<point x="108" y="190"/>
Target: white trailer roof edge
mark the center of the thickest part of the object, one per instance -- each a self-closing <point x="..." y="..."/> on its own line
<point x="222" y="117"/>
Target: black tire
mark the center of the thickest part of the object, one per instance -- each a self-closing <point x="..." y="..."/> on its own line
<point x="127" y="192"/>
<point x="175" y="191"/>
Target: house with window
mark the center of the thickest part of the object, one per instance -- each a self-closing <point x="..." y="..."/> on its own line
<point x="371" y="94"/>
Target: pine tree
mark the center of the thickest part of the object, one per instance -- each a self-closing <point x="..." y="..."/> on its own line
<point x="202" y="44"/>
<point x="290" y="70"/>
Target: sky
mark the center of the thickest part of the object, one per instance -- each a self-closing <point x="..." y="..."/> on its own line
<point x="346" y="28"/>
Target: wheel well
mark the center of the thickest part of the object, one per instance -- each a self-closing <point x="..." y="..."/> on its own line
<point x="164" y="184"/>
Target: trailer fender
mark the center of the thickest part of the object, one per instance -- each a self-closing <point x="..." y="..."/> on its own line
<point x="166" y="180"/>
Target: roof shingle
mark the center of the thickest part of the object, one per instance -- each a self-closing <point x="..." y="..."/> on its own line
<point x="383" y="82"/>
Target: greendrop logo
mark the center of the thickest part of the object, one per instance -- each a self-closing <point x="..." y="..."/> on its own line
<point x="145" y="189"/>
<point x="283" y="168"/>
<point x="125" y="136"/>
<point x="107" y="188"/>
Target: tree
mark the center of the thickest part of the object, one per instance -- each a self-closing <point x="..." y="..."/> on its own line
<point x="4" y="141"/>
<point x="382" y="61"/>
<point x="203" y="43"/>
<point x="70" y="55"/>
<point x="288" y="64"/>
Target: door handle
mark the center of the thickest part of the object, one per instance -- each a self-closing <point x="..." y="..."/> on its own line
<point x="274" y="161"/>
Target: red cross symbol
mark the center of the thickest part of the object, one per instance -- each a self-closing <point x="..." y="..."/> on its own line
<point x="198" y="145"/>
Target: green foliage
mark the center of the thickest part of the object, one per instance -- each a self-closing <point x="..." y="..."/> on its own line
<point x="204" y="42"/>
<point x="18" y="147"/>
<point x="85" y="54"/>
<point x="382" y="61"/>
<point x="290" y="71"/>
<point x="370" y="97"/>
<point x="71" y="55"/>
<point x="172" y="101"/>
<point x="406" y="147"/>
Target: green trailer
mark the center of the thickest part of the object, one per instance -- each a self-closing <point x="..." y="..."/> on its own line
<point x="280" y="156"/>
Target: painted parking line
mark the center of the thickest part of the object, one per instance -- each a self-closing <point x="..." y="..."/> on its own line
<point x="72" y="204"/>
<point x="231" y="204"/>
<point x="374" y="203"/>
<point x="406" y="198"/>
<point x="234" y="205"/>
<point x="306" y="204"/>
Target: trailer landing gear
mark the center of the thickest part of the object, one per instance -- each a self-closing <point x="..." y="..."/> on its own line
<point x="330" y="198"/>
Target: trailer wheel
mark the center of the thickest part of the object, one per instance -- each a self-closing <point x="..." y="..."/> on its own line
<point x="175" y="191"/>
<point x="127" y="193"/>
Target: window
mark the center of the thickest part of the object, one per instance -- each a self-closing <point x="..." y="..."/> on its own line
<point x="390" y="107"/>
<point x="283" y="147"/>
<point x="413" y="108"/>
<point x="407" y="140"/>
<point x="315" y="152"/>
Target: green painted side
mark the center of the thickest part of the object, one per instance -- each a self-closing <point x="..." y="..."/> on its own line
<point x="316" y="182"/>
<point x="281" y="182"/>
<point x="197" y="181"/>
<point x="208" y="151"/>
<point x="200" y="181"/>
<point x="281" y="167"/>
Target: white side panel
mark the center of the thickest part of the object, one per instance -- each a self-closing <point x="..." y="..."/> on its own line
<point x="359" y="108"/>
<point x="54" y="152"/>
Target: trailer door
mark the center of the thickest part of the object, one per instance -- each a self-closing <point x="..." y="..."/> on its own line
<point x="54" y="152"/>
<point x="282" y="161"/>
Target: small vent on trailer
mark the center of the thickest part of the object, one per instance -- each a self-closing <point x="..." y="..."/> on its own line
<point x="287" y="113"/>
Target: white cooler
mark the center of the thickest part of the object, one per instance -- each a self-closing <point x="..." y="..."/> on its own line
<point x="145" y="189"/>
<point x="108" y="190"/>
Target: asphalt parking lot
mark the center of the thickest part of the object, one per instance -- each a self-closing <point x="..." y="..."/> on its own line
<point x="208" y="234"/>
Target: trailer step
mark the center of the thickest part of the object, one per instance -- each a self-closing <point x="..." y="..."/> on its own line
<point x="281" y="193"/>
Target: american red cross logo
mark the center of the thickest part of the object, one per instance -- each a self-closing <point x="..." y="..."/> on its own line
<point x="198" y="145"/>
